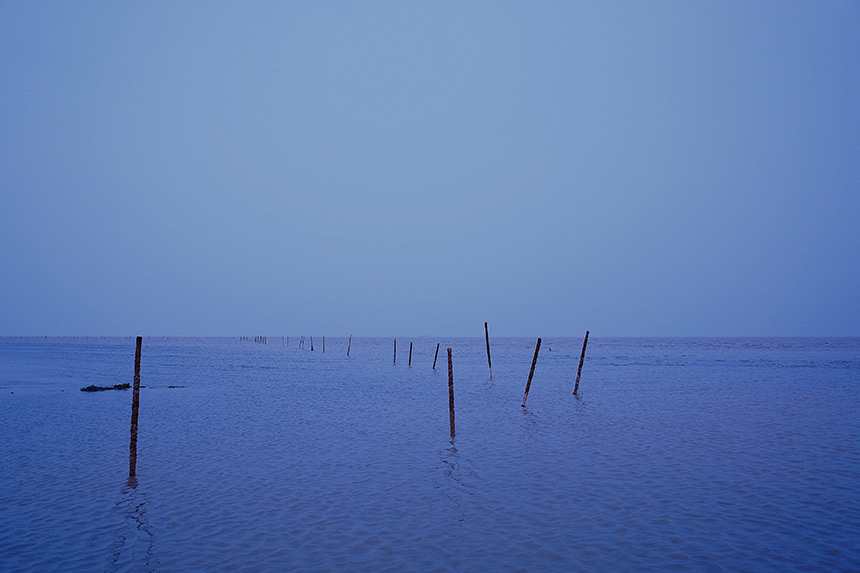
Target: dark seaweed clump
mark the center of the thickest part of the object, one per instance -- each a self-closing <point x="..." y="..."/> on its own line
<point x="125" y="386"/>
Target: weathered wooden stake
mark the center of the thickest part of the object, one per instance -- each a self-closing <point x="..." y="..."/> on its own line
<point x="451" y="392"/>
<point x="581" y="360"/>
<point x="135" y="408"/>
<point x="435" y="357"/>
<point x="323" y="343"/>
<point x="283" y="340"/>
<point x="487" y="337"/>
<point x="395" y="351"/>
<point x="410" y="354"/>
<point x="312" y="343"/>
<point x="531" y="373"/>
<point x="349" y="345"/>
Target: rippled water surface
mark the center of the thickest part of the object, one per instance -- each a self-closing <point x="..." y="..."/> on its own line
<point x="704" y="454"/>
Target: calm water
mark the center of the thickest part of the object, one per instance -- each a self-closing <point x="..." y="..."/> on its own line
<point x="694" y="454"/>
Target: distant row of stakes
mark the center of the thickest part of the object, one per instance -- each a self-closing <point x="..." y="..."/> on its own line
<point x="285" y="341"/>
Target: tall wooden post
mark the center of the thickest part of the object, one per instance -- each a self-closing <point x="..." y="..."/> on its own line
<point x="531" y="373"/>
<point x="487" y="337"/>
<point x="581" y="360"/>
<point x="135" y="408"/>
<point x="410" y="354"/>
<point x="349" y="345"/>
<point x="323" y="343"/>
<point x="395" y="351"/>
<point x="451" y="392"/>
<point x="435" y="357"/>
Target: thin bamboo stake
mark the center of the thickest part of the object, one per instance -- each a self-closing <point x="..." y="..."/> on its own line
<point x="487" y="337"/>
<point x="531" y="373"/>
<point x="135" y="409"/>
<point x="410" y="354"/>
<point x="435" y="357"/>
<point x="349" y="345"/>
<point x="451" y="392"/>
<point x="581" y="360"/>
<point x="395" y="351"/>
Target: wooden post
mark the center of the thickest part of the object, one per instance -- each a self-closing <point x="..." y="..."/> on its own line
<point x="410" y="354"/>
<point x="288" y="341"/>
<point x="531" y="373"/>
<point x="349" y="345"/>
<point x="451" y="392"/>
<point x="435" y="357"/>
<point x="323" y="343"/>
<point x="395" y="351"/>
<point x="135" y="408"/>
<point x="312" y="343"/>
<point x="581" y="360"/>
<point x="487" y="337"/>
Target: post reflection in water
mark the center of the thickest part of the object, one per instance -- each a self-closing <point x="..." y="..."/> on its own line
<point x="134" y="547"/>
<point x="457" y="482"/>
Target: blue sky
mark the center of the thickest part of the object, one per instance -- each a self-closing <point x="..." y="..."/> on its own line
<point x="406" y="168"/>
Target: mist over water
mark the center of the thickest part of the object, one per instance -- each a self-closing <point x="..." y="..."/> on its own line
<point x="685" y="453"/>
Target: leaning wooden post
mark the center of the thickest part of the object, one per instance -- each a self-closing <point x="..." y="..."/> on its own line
<point x="395" y="351"/>
<point x="410" y="354"/>
<point x="581" y="360"/>
<point x="135" y="408"/>
<point x="349" y="345"/>
<point x="531" y="373"/>
<point x="451" y="392"/>
<point x="435" y="357"/>
<point x="487" y="337"/>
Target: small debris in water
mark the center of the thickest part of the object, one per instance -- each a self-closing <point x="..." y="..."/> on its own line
<point x="93" y="388"/>
<point x="176" y="386"/>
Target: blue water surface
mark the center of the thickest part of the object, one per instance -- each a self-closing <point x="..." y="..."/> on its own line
<point x="694" y="454"/>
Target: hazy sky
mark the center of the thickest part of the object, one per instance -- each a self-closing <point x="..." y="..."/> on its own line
<point x="385" y="168"/>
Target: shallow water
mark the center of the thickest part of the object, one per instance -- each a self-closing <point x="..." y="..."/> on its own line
<point x="734" y="454"/>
